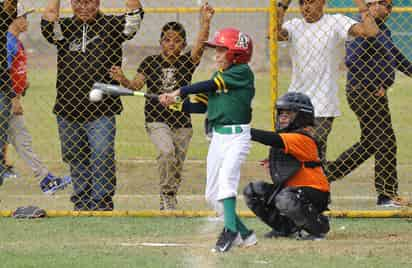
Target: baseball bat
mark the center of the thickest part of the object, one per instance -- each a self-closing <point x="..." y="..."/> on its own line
<point x="115" y="90"/>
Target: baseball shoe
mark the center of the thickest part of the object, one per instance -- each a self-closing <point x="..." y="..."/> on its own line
<point x="279" y="234"/>
<point x="12" y="173"/>
<point x="391" y="202"/>
<point x="247" y="240"/>
<point x="226" y="240"/>
<point x="9" y="174"/>
<point x="304" y="235"/>
<point x="51" y="184"/>
<point x="168" y="201"/>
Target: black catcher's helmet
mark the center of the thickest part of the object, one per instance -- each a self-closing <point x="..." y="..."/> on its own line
<point x="299" y="103"/>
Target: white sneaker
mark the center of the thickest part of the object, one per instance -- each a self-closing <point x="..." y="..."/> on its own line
<point x="249" y="240"/>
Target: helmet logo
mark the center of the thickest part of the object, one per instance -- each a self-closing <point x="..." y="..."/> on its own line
<point x="242" y="41"/>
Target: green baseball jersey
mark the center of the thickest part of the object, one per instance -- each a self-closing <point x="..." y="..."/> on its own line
<point x="231" y="103"/>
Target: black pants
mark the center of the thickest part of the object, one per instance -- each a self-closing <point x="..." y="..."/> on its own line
<point x="377" y="139"/>
<point x="323" y="127"/>
<point x="292" y="209"/>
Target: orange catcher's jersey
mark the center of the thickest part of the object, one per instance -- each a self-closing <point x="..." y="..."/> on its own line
<point x="304" y="149"/>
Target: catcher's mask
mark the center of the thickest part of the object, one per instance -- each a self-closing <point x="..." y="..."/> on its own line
<point x="301" y="105"/>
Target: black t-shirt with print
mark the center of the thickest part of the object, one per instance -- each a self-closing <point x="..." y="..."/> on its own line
<point x="85" y="54"/>
<point x="162" y="77"/>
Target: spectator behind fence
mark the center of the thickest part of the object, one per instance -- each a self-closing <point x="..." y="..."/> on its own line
<point x="88" y="44"/>
<point x="170" y="131"/>
<point x="18" y="135"/>
<point x="8" y="9"/>
<point x="372" y="63"/>
<point x="315" y="42"/>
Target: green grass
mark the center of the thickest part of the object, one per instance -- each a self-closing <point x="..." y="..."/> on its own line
<point x="117" y="242"/>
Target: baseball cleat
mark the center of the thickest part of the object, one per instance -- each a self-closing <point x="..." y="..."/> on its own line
<point x="248" y="240"/>
<point x="391" y="202"/>
<point x="9" y="174"/>
<point x="226" y="240"/>
<point x="303" y="235"/>
<point x="279" y="234"/>
<point x="168" y="201"/>
<point x="51" y="184"/>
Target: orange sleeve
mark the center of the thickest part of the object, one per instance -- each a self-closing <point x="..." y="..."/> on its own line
<point x="300" y="146"/>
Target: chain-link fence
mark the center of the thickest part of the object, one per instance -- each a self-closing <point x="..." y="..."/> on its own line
<point x="331" y="53"/>
<point x="131" y="152"/>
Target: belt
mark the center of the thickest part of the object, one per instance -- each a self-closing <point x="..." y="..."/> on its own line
<point x="233" y="129"/>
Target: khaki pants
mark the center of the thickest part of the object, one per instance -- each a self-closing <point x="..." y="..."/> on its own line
<point x="20" y="138"/>
<point x="172" y="145"/>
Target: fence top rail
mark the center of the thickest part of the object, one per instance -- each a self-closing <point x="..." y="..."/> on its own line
<point x="230" y="10"/>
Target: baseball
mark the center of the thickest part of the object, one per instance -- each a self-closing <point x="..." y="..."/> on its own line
<point x="95" y="95"/>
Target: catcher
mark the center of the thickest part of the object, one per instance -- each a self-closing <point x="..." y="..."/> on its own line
<point x="292" y="206"/>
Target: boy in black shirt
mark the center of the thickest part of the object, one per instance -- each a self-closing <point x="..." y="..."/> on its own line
<point x="170" y="131"/>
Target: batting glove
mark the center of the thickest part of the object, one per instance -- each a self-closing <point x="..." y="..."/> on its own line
<point x="133" y="21"/>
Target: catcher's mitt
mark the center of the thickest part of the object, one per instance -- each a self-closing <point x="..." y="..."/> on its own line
<point x="29" y="212"/>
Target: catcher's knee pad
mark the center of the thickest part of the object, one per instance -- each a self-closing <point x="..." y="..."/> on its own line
<point x="290" y="205"/>
<point x="256" y="192"/>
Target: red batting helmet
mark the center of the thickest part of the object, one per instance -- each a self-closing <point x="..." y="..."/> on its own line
<point x="239" y="45"/>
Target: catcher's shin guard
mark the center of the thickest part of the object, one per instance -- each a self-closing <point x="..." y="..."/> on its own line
<point x="292" y="205"/>
<point x="256" y="195"/>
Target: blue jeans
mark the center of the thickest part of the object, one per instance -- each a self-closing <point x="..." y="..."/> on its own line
<point x="5" y="111"/>
<point x="88" y="148"/>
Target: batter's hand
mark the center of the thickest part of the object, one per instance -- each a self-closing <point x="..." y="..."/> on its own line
<point x="167" y="99"/>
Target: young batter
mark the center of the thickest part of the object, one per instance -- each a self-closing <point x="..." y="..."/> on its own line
<point x="229" y="95"/>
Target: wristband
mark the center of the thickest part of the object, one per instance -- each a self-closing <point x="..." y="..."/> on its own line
<point x="138" y="11"/>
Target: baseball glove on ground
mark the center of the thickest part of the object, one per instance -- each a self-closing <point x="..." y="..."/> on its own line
<point x="29" y="212"/>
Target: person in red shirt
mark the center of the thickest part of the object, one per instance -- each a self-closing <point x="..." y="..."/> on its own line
<point x="293" y="204"/>
<point x="7" y="13"/>
<point x="18" y="135"/>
